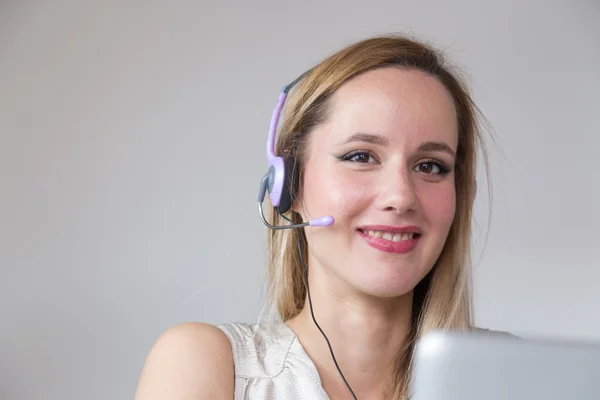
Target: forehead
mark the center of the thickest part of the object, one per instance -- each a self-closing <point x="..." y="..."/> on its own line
<point x="409" y="106"/>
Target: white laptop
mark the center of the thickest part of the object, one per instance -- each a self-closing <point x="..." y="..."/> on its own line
<point x="453" y="366"/>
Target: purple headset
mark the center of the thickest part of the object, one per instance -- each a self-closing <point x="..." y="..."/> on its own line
<point x="278" y="180"/>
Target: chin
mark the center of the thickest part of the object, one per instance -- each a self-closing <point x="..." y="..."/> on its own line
<point x="386" y="274"/>
<point x="385" y="286"/>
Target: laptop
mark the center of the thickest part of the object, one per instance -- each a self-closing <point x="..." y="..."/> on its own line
<point x="455" y="366"/>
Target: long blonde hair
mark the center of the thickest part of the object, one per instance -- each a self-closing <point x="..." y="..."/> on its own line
<point x="442" y="300"/>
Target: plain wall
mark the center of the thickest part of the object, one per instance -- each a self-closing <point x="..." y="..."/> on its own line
<point x="132" y="146"/>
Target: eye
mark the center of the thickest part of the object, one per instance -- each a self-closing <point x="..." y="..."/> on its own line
<point x="432" y="168"/>
<point x="359" y="156"/>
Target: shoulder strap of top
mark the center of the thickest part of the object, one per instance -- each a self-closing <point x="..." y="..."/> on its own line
<point x="258" y="352"/>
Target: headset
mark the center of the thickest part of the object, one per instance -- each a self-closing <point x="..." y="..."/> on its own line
<point x="279" y="183"/>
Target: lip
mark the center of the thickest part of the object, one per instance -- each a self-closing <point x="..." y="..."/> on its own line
<point x="391" y="228"/>
<point x="387" y="246"/>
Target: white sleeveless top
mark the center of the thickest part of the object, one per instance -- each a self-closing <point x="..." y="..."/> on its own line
<point x="271" y="364"/>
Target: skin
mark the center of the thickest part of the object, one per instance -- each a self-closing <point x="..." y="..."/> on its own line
<point x="362" y="296"/>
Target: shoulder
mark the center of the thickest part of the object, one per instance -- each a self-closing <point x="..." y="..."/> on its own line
<point x="188" y="361"/>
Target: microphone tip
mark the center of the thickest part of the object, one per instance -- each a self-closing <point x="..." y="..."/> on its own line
<point x="323" y="221"/>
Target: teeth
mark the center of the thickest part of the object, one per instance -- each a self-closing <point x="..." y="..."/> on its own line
<point x="389" y="236"/>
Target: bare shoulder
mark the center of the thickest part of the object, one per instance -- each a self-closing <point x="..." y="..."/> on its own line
<point x="188" y="361"/>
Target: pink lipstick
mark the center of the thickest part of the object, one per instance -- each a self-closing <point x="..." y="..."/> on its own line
<point x="391" y="239"/>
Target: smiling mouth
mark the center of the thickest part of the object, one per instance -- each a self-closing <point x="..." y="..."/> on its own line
<point x="390" y="236"/>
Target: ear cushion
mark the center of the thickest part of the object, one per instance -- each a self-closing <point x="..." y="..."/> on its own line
<point x="287" y="197"/>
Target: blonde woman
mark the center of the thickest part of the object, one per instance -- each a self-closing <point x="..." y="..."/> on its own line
<point x="380" y="137"/>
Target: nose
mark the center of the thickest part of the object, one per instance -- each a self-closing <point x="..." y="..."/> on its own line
<point x="397" y="191"/>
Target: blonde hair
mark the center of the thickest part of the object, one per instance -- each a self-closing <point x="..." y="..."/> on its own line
<point x="442" y="300"/>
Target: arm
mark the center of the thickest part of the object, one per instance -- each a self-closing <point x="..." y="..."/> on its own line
<point x="188" y="362"/>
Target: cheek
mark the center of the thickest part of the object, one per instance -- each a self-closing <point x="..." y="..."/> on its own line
<point x="439" y="206"/>
<point x="337" y="193"/>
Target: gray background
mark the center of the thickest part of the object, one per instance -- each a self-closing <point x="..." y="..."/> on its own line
<point x="132" y="146"/>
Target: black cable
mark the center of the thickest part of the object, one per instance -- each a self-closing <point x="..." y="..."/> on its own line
<point x="311" y="306"/>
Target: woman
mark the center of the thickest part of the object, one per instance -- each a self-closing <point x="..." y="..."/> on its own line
<point x="384" y="139"/>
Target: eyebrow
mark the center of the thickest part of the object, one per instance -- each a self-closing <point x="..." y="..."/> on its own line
<point x="437" y="146"/>
<point x="367" y="138"/>
<point x="383" y="142"/>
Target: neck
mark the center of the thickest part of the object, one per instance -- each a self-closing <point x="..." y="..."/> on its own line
<point x="365" y="333"/>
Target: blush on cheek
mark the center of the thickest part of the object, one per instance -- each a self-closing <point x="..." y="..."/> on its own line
<point x="346" y="197"/>
<point x="440" y="206"/>
<point x="330" y="192"/>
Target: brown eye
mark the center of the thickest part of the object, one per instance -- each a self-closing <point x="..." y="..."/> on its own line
<point x="361" y="157"/>
<point x="432" y="167"/>
<point x="428" y="168"/>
